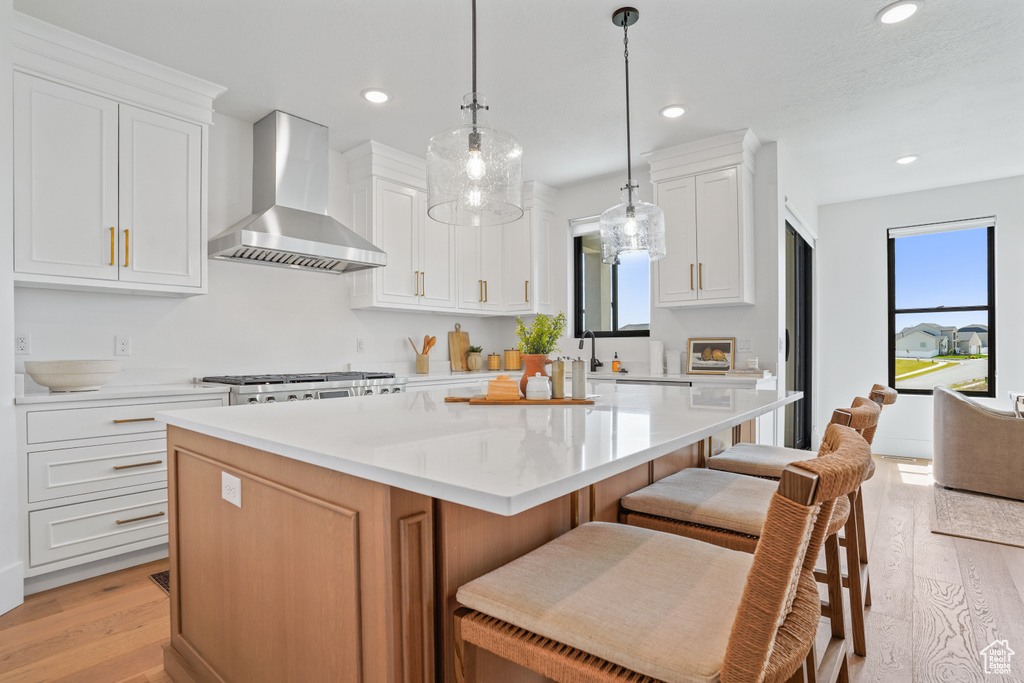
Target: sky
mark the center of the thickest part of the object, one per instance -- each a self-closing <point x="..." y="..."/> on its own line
<point x="942" y="269"/>
<point x="634" y="289"/>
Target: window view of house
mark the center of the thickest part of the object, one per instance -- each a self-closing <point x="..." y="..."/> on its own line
<point x="611" y="300"/>
<point x="941" y="310"/>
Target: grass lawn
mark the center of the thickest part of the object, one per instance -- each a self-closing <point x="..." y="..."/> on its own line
<point x="905" y="365"/>
<point x="959" y="357"/>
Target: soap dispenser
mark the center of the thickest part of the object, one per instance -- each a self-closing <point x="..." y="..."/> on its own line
<point x="615" y="362"/>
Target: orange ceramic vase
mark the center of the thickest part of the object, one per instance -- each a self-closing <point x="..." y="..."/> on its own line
<point x="532" y="364"/>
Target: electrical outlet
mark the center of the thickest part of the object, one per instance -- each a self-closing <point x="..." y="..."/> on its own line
<point x="231" y="489"/>
<point x="744" y="344"/>
<point x="23" y="344"/>
<point x="359" y="346"/>
<point x="122" y="345"/>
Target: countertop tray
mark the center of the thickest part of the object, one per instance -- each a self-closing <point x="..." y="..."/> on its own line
<point x="482" y="400"/>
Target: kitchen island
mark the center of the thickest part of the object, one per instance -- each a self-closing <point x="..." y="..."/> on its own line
<point x="352" y="523"/>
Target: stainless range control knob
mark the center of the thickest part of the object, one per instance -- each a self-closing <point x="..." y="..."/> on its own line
<point x="384" y="391"/>
<point x="368" y="392"/>
<point x="253" y="400"/>
<point x="307" y="397"/>
<point x="293" y="397"/>
<point x="396" y="390"/>
<point x="270" y="399"/>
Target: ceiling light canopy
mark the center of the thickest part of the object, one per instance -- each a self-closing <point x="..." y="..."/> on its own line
<point x="376" y="95"/>
<point x="673" y="111"/>
<point x="474" y="171"/>
<point x="908" y="159"/>
<point x="632" y="225"/>
<point x="898" y="11"/>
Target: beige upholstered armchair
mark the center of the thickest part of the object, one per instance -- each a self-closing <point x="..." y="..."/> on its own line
<point x="977" y="448"/>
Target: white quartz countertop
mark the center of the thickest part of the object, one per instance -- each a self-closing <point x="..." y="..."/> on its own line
<point x="109" y="392"/>
<point x="679" y="378"/>
<point x="500" y="459"/>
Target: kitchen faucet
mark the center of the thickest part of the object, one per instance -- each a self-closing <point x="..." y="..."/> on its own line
<point x="594" y="362"/>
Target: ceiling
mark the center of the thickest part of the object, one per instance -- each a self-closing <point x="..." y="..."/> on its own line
<point x="845" y="94"/>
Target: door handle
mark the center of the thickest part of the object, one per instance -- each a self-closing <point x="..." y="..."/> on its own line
<point x="126" y="247"/>
<point x="526" y="291"/>
<point x="423" y="274"/>
<point x="485" y="291"/>
<point x="113" y="246"/>
<point x="417" y="282"/>
<point x="481" y="283"/>
<point x="138" y="464"/>
<point x="139" y="519"/>
<point x="700" y="275"/>
<point x="691" y="277"/>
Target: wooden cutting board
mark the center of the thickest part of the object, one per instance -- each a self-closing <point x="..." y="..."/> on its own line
<point x="482" y="400"/>
<point x="458" y="345"/>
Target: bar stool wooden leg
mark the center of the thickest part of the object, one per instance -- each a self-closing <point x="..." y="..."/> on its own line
<point x="465" y="653"/>
<point x="858" y="514"/>
<point x="854" y="582"/>
<point x="834" y="572"/>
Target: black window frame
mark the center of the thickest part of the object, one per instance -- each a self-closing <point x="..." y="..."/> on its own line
<point x="577" y="277"/>
<point x="990" y="309"/>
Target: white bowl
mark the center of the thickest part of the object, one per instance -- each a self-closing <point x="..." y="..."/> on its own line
<point x="72" y="375"/>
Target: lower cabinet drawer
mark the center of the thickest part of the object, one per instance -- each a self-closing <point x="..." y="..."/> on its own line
<point x="91" y="469"/>
<point x="44" y="425"/>
<point x="69" y="531"/>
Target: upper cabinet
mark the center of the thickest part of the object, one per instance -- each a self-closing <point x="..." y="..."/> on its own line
<point x="109" y="181"/>
<point x="432" y="266"/>
<point x="706" y="191"/>
<point x="389" y="208"/>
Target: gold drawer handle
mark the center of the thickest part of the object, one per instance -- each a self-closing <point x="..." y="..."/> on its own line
<point x="113" y="246"/>
<point x="526" y="291"/>
<point x="135" y="419"/>
<point x="126" y="248"/>
<point x="138" y="464"/>
<point x="139" y="519"/>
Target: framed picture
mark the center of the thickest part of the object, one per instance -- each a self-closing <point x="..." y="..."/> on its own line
<point x="710" y="356"/>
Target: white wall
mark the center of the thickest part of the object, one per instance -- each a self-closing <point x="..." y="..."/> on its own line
<point x="255" y="318"/>
<point x="852" y="254"/>
<point x="10" y="564"/>
<point x="758" y="323"/>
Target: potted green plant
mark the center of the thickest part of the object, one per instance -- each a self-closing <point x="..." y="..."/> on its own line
<point x="536" y="342"/>
<point x="474" y="361"/>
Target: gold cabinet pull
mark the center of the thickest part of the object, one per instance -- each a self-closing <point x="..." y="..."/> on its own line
<point x="481" y="290"/>
<point x="126" y="247"/>
<point x="691" y="277"/>
<point x="485" y="291"/>
<point x="423" y="274"/>
<point x="700" y="275"/>
<point x="139" y="519"/>
<point x="526" y="291"/>
<point x="113" y="245"/>
<point x="417" y="283"/>
<point x="138" y="464"/>
<point x="134" y="419"/>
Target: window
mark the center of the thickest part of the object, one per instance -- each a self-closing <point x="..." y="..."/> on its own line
<point x="942" y="307"/>
<point x="610" y="300"/>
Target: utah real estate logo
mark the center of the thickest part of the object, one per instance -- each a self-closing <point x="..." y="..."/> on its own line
<point x="996" y="657"/>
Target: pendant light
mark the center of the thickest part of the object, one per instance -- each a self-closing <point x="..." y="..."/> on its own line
<point x="474" y="172"/>
<point x="632" y="225"/>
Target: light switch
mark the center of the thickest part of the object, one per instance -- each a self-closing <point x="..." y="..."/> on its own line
<point x="231" y="489"/>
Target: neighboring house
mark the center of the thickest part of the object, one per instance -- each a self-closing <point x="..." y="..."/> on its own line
<point x="920" y="344"/>
<point x="980" y="330"/>
<point x="969" y="343"/>
<point x="946" y="331"/>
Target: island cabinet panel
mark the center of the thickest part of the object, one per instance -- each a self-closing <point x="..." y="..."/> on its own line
<point x="317" y="576"/>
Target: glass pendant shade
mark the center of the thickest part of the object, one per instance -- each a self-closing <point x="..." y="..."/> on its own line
<point x="474" y="172"/>
<point x="633" y="225"/>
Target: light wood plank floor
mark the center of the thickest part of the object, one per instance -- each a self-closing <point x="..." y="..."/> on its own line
<point x="937" y="601"/>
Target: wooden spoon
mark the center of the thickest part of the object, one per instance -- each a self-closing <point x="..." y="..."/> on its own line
<point x="430" y="344"/>
<point x="426" y="343"/>
<point x="411" y="343"/>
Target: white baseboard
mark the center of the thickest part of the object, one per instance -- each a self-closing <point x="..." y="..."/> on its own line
<point x="42" y="582"/>
<point x="907" y="448"/>
<point x="12" y="583"/>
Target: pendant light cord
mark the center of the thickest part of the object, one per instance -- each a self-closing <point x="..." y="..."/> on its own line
<point x="475" y="105"/>
<point x="629" y="163"/>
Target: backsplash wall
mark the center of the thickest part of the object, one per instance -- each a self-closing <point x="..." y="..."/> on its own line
<point x="255" y="318"/>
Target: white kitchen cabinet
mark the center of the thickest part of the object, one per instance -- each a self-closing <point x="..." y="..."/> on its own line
<point x="479" y="262"/>
<point x="110" y="167"/>
<point x="518" y="265"/>
<point x="527" y="264"/>
<point x="389" y="208"/>
<point x="93" y="476"/>
<point x="706" y="192"/>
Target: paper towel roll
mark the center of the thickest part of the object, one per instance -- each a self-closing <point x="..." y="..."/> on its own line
<point x="657" y="357"/>
<point x="673" y="364"/>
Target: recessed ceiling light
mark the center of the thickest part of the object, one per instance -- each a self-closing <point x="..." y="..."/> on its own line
<point x="898" y="11"/>
<point x="909" y="159"/>
<point x="673" y="111"/>
<point x="377" y="96"/>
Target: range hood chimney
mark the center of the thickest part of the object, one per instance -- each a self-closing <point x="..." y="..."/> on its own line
<point x="289" y="226"/>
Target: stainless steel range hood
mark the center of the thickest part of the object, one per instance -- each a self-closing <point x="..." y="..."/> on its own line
<point x="289" y="226"/>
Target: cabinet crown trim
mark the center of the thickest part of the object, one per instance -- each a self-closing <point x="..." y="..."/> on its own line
<point x="538" y="195"/>
<point x="373" y="159"/>
<point x="737" y="148"/>
<point x="55" y="53"/>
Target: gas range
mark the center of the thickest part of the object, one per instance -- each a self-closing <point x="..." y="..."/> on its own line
<point x="246" y="389"/>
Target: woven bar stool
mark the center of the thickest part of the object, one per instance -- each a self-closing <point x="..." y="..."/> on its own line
<point x="609" y="602"/>
<point x="729" y="510"/>
<point x="768" y="461"/>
